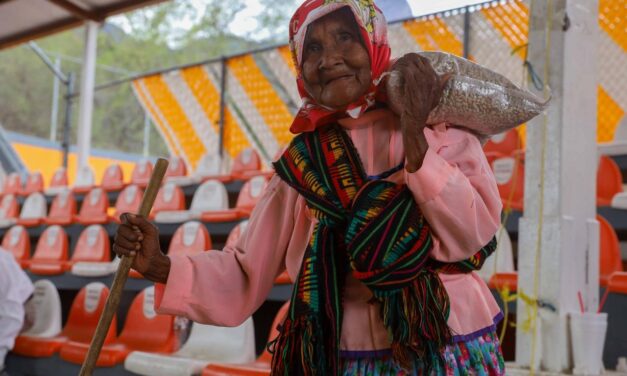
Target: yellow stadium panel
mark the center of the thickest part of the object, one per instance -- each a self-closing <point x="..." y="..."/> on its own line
<point x="287" y="57"/>
<point x="511" y="20"/>
<point x="613" y="20"/>
<point x="208" y="96"/>
<point x="609" y="115"/>
<point x="434" y="34"/>
<point x="165" y="132"/>
<point x="180" y="125"/>
<point x="48" y="160"/>
<point x="263" y="96"/>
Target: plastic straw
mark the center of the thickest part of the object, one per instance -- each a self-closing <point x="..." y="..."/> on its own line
<point x="580" y="301"/>
<point x="603" y="299"/>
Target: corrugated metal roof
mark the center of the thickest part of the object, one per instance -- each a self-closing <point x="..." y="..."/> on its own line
<point x="24" y="20"/>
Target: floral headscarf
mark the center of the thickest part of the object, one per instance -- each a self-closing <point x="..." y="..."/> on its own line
<point x="373" y="28"/>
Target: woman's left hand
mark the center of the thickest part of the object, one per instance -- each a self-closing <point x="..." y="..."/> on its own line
<point x="421" y="88"/>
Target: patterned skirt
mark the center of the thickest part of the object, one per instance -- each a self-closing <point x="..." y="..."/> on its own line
<point x="480" y="356"/>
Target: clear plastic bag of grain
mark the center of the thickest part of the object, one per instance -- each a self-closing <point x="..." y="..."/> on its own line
<point x="474" y="97"/>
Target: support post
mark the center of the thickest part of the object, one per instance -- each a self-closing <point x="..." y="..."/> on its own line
<point x="558" y="235"/>
<point x="54" y="112"/>
<point x="67" y="123"/>
<point x="88" y="77"/>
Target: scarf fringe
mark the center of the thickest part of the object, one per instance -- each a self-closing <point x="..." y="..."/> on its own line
<point x="416" y="317"/>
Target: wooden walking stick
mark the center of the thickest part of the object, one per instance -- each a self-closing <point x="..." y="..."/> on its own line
<point x="113" y="301"/>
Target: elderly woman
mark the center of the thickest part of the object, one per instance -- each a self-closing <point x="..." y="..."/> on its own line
<point x="378" y="219"/>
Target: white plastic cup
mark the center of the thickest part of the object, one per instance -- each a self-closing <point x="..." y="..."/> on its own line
<point x="588" y="339"/>
<point x="554" y="334"/>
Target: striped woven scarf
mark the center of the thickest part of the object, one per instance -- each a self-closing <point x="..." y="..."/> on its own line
<point x="374" y="230"/>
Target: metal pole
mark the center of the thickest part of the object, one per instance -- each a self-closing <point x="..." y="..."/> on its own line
<point x="467" y="32"/>
<point x="67" y="124"/>
<point x="146" y="134"/>
<point x="54" y="112"/>
<point x="222" y="106"/>
<point x="88" y="78"/>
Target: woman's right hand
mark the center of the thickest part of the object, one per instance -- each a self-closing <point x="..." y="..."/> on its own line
<point x="140" y="238"/>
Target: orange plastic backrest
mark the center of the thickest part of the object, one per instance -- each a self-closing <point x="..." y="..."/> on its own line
<point x="618" y="283"/>
<point x="176" y="167"/>
<point x="251" y="192"/>
<point x="34" y="183"/>
<point x="95" y="203"/>
<point x="247" y="160"/>
<point x="170" y="197"/>
<point x="609" y="181"/>
<point x="191" y="237"/>
<point x="504" y="280"/>
<point x="144" y="330"/>
<point x="92" y="245"/>
<point x="9" y="207"/>
<point x="509" y="173"/>
<point x="113" y="177"/>
<point x="63" y="205"/>
<point x="13" y="184"/>
<point x="610" y="259"/>
<point x="504" y="143"/>
<point x="17" y="242"/>
<point x="128" y="200"/>
<point x="235" y="234"/>
<point x="274" y="332"/>
<point x="85" y="313"/>
<point x="52" y="245"/>
<point x="141" y="172"/>
<point x="59" y="179"/>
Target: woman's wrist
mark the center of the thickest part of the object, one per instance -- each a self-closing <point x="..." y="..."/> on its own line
<point x="160" y="270"/>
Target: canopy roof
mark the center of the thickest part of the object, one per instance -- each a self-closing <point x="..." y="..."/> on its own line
<point x="24" y="20"/>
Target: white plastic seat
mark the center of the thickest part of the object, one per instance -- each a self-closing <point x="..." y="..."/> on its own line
<point x="85" y="179"/>
<point x="206" y="344"/>
<point x="34" y="210"/>
<point x="46" y="305"/>
<point x="502" y="260"/>
<point x="95" y="269"/>
<point x="210" y="195"/>
<point x="209" y="165"/>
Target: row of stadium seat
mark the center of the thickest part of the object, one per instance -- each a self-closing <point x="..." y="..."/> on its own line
<point x="509" y="172"/>
<point x="210" y="203"/>
<point x="246" y="165"/>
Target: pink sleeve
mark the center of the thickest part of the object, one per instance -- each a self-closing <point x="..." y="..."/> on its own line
<point x="225" y="287"/>
<point x="457" y="193"/>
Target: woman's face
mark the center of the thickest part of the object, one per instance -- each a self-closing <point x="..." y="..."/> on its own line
<point x="336" y="65"/>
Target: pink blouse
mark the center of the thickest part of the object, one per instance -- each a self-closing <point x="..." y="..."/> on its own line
<point x="454" y="188"/>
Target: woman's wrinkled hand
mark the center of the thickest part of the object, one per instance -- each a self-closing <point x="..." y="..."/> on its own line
<point x="138" y="237"/>
<point x="414" y="91"/>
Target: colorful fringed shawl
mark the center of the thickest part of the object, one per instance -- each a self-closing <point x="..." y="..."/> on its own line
<point x="374" y="230"/>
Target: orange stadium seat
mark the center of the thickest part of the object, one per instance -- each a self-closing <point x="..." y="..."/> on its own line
<point x="92" y="246"/>
<point x="170" y="198"/>
<point x="509" y="173"/>
<point x="209" y="196"/>
<point x="610" y="259"/>
<point x="145" y="330"/>
<point x="9" y="210"/>
<point x="58" y="182"/>
<point x="84" y="180"/>
<point x="62" y="209"/>
<point x="246" y="164"/>
<point x="176" y="168"/>
<point x="33" y="211"/>
<point x="209" y="167"/>
<point x="128" y="201"/>
<point x="502" y="280"/>
<point x="44" y="337"/>
<point x="609" y="181"/>
<point x="94" y="208"/>
<point x="491" y="156"/>
<point x="81" y="325"/>
<point x="189" y="238"/>
<point x="248" y="196"/>
<point x="34" y="183"/>
<point x="17" y="242"/>
<point x="505" y="143"/>
<point x="141" y="173"/>
<point x="51" y="252"/>
<point x="261" y="366"/>
<point x="13" y="184"/>
<point x="113" y="178"/>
